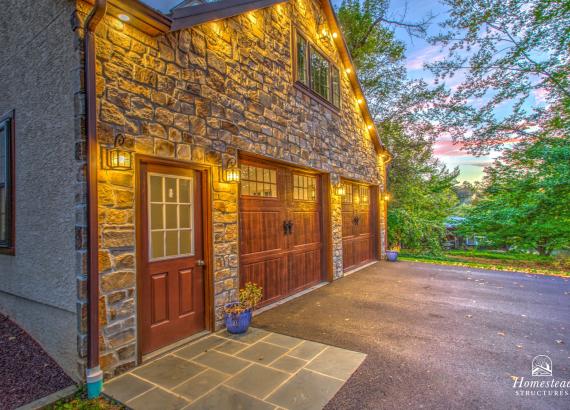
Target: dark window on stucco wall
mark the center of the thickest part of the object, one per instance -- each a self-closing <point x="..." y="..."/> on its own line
<point x="316" y="72"/>
<point x="7" y="183"/>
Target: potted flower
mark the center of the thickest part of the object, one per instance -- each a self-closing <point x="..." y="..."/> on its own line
<point x="392" y="253"/>
<point x="238" y="314"/>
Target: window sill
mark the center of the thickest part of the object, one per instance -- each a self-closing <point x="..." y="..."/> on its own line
<point x="316" y="97"/>
<point x="8" y="251"/>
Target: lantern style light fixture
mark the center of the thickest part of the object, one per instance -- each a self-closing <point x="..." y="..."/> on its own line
<point x="117" y="158"/>
<point x="340" y="189"/>
<point x="386" y="196"/>
<point x="231" y="172"/>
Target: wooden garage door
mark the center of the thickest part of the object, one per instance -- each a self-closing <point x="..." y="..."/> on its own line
<point x="280" y="228"/>
<point x="357" y="226"/>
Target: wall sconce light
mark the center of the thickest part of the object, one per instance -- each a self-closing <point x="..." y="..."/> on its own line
<point x="348" y="70"/>
<point x="360" y="101"/>
<point x="117" y="158"/>
<point x="340" y="189"/>
<point x="231" y="172"/>
<point x="386" y="196"/>
<point x="335" y="34"/>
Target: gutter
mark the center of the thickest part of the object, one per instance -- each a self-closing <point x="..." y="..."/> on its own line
<point x="94" y="375"/>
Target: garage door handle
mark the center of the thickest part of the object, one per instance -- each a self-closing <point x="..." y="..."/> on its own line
<point x="288" y="227"/>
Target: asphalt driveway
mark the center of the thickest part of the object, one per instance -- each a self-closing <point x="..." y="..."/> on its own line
<point x="438" y="337"/>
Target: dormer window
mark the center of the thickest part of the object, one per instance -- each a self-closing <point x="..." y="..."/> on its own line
<point x="315" y="72"/>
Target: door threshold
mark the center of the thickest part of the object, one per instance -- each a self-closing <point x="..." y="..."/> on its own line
<point x="167" y="349"/>
<point x="350" y="272"/>
<point x="289" y="298"/>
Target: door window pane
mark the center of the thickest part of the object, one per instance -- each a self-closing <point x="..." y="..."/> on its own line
<point x="171" y="243"/>
<point x="171" y="191"/>
<point x="156" y="216"/>
<point x="171" y="216"/>
<point x="185" y="241"/>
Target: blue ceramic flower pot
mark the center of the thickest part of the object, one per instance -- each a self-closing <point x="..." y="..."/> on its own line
<point x="392" y="255"/>
<point x="237" y="323"/>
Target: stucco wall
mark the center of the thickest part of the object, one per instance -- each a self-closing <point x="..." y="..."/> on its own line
<point x="37" y="285"/>
<point x="199" y="96"/>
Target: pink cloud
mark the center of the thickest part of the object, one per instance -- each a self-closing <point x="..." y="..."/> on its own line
<point x="425" y="55"/>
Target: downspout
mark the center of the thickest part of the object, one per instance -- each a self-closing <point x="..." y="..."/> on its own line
<point x="94" y="375"/>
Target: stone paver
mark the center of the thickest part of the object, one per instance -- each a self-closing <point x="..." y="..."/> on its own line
<point x="307" y="350"/>
<point x="258" y="370"/>
<point x="126" y="387"/>
<point x="335" y="362"/>
<point x="157" y="399"/>
<point x="262" y="352"/>
<point x="306" y="390"/>
<point x="258" y="380"/>
<point x="168" y="371"/>
<point x="200" y="384"/>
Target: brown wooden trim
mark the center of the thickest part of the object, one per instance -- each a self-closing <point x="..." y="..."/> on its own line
<point x="306" y="89"/>
<point x="327" y="235"/>
<point x="186" y="17"/>
<point x="143" y="17"/>
<point x="250" y="156"/>
<point x="11" y="203"/>
<point x="141" y="162"/>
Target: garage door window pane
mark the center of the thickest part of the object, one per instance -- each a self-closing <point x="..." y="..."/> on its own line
<point x="171" y="216"/>
<point x="258" y="181"/>
<point x="347" y="198"/>
<point x="304" y="187"/>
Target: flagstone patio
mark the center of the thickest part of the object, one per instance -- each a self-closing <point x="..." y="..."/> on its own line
<point x="258" y="370"/>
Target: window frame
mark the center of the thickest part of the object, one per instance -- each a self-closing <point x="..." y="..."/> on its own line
<point x="7" y="120"/>
<point x="308" y="88"/>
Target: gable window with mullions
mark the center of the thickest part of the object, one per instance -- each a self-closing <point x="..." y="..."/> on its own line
<point x="316" y="72"/>
<point x="7" y="183"/>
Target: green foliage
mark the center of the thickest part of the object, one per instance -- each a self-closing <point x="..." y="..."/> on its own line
<point x="509" y="50"/>
<point x="250" y="296"/>
<point x="79" y="401"/>
<point x="419" y="185"/>
<point x="526" y="198"/>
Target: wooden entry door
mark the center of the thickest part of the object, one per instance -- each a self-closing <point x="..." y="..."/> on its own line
<point x="171" y="271"/>
<point x="357" y="225"/>
<point x="280" y="228"/>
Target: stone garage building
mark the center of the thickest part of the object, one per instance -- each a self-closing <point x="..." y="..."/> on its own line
<point x="154" y="161"/>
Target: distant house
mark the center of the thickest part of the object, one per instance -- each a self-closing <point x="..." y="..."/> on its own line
<point x="455" y="241"/>
<point x="153" y="161"/>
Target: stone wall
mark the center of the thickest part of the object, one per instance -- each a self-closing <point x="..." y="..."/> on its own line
<point x="201" y="95"/>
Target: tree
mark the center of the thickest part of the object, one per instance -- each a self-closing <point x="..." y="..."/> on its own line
<point x="526" y="197"/>
<point x="420" y="186"/>
<point x="508" y="51"/>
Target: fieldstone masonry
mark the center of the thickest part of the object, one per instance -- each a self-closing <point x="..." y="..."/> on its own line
<point x="201" y="95"/>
